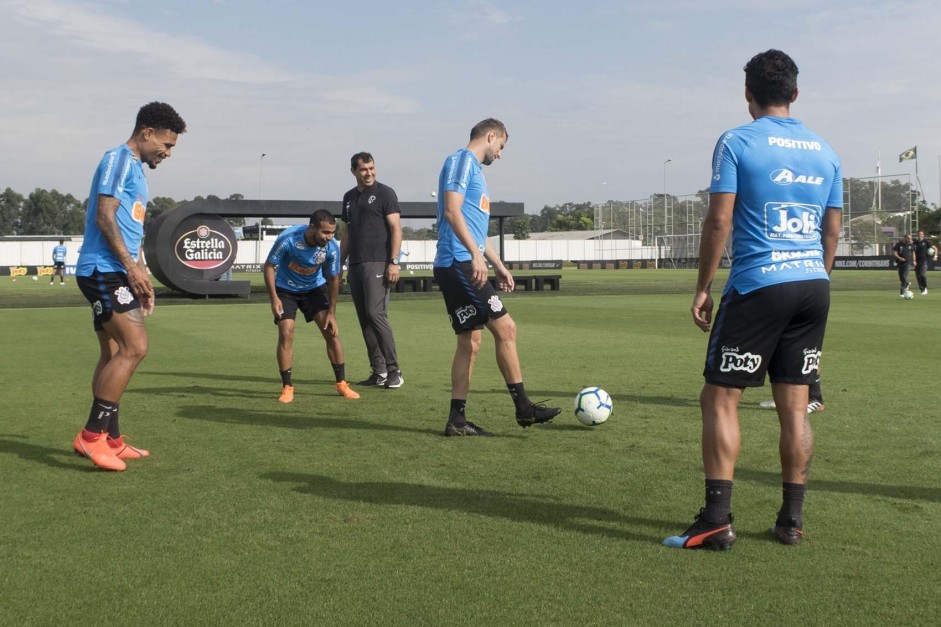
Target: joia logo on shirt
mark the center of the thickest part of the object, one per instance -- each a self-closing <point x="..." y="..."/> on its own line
<point x="785" y="220"/>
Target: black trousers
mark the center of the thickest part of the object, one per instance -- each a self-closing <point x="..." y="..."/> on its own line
<point x="921" y="274"/>
<point x="903" y="277"/>
<point x="370" y="294"/>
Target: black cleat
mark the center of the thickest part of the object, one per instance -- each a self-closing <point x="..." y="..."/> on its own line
<point x="536" y="413"/>
<point x="789" y="533"/>
<point x="374" y="380"/>
<point x="468" y="428"/>
<point x="704" y="535"/>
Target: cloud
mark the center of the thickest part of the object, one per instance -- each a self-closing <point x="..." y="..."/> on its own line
<point x="92" y="27"/>
<point x="478" y="14"/>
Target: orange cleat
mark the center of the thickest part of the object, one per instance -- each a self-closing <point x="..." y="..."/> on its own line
<point x="99" y="452"/>
<point x="125" y="451"/>
<point x="344" y="390"/>
<point x="287" y="394"/>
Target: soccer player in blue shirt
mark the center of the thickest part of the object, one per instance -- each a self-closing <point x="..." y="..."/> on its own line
<point x="112" y="276"/>
<point x="778" y="188"/>
<point x="58" y="262"/>
<point x="303" y="272"/>
<point x="460" y="268"/>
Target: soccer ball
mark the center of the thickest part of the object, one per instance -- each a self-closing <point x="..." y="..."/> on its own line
<point x="35" y="278"/>
<point x="909" y="295"/>
<point x="930" y="251"/>
<point x="593" y="406"/>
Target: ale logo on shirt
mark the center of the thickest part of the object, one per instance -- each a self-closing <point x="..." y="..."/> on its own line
<point x="485" y="203"/>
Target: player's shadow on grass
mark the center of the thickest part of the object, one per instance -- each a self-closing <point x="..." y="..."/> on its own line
<point x="215" y="376"/>
<point x="229" y="378"/>
<point x="913" y="493"/>
<point x="44" y="455"/>
<point x="231" y="389"/>
<point x="312" y="389"/>
<point x="540" y="510"/>
<point x="292" y="421"/>
<point x="566" y="399"/>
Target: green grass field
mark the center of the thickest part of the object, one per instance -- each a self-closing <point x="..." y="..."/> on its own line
<point x="329" y="511"/>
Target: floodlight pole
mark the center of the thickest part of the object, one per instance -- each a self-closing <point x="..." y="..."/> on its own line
<point x="664" y="200"/>
<point x="261" y="197"/>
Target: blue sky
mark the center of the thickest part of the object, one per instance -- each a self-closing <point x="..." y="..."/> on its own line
<point x="596" y="95"/>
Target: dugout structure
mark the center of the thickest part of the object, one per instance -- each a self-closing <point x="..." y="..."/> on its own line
<point x="188" y="248"/>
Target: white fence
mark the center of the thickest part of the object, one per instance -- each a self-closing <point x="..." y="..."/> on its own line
<point x="33" y="253"/>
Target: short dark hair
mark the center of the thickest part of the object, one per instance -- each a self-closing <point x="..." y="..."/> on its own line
<point x="320" y="216"/>
<point x="61" y="241"/>
<point x="161" y="116"/>
<point x="771" y="77"/>
<point x="485" y="126"/>
<point x="365" y="157"/>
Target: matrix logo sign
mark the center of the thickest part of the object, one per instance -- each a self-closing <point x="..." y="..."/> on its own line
<point x="204" y="243"/>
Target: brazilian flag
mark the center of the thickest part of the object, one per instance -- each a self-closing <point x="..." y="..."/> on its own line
<point x="911" y="153"/>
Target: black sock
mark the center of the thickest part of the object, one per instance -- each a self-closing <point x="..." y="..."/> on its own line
<point x="816" y="392"/>
<point x="518" y="392"/>
<point x="100" y="415"/>
<point x="286" y="377"/>
<point x="718" y="501"/>
<point x="114" y="431"/>
<point x="457" y="415"/>
<point x="792" y="507"/>
<point x="339" y="371"/>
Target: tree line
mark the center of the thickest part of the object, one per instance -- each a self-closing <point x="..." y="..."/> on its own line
<point x="49" y="212"/>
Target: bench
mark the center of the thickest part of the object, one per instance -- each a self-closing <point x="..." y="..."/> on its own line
<point x="414" y="283"/>
<point x="528" y="282"/>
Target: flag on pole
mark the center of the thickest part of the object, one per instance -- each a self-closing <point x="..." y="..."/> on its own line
<point x="911" y="153"/>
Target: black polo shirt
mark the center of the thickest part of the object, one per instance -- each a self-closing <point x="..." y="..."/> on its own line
<point x="364" y="213"/>
<point x="906" y="251"/>
<point x="921" y="250"/>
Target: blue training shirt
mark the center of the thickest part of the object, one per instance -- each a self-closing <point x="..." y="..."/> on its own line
<point x="784" y="177"/>
<point x="58" y="254"/>
<point x="302" y="267"/>
<point x="120" y="174"/>
<point x="462" y="173"/>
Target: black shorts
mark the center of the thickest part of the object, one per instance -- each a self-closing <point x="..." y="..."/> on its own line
<point x="59" y="265"/>
<point x="310" y="303"/>
<point x="468" y="307"/>
<point x="108" y="292"/>
<point x="776" y="330"/>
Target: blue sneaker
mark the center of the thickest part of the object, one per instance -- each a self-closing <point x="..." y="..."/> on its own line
<point x="704" y="535"/>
